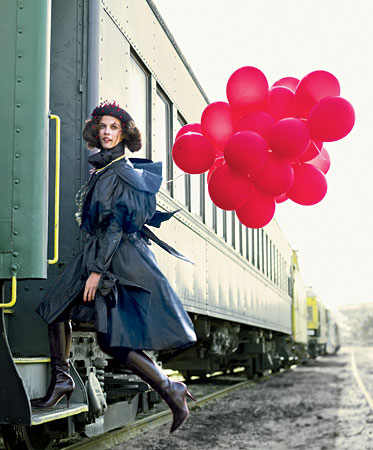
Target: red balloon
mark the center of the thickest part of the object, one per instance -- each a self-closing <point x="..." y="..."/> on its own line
<point x="246" y="152"/>
<point x="314" y="87"/>
<point x="281" y="198"/>
<point x="258" y="211"/>
<point x="322" y="161"/>
<point x="311" y="152"/>
<point x="289" y="138"/>
<point x="309" y="186"/>
<point x="247" y="89"/>
<point x="190" y="127"/>
<point x="331" y="119"/>
<point x="281" y="102"/>
<point x="193" y="153"/>
<point x="258" y="121"/>
<point x="216" y="123"/>
<point x="228" y="190"/>
<point x="289" y="82"/>
<point x="219" y="161"/>
<point x="276" y="178"/>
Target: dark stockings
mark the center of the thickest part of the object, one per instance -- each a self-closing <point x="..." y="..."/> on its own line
<point x="173" y="392"/>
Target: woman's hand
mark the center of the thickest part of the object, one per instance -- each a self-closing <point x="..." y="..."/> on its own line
<point x="91" y="287"/>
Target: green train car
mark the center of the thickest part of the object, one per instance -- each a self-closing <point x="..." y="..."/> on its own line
<point x="244" y="293"/>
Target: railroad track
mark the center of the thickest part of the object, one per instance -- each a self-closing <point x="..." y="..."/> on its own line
<point x="109" y="440"/>
<point x="360" y="383"/>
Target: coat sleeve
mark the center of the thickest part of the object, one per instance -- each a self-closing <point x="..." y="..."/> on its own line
<point x="118" y="208"/>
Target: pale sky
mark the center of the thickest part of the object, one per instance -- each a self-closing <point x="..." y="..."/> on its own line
<point x="292" y="38"/>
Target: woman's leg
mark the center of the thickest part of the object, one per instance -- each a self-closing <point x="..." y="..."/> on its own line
<point x="61" y="384"/>
<point x="173" y="392"/>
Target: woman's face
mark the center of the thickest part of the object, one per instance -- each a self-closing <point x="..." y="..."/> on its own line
<point x="109" y="132"/>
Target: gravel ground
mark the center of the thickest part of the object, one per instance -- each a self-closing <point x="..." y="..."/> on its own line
<point x="315" y="407"/>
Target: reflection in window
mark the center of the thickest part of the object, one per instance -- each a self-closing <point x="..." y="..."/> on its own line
<point x="138" y="101"/>
<point x="162" y="142"/>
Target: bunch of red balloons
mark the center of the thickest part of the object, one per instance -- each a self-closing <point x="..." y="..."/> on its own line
<point x="265" y="145"/>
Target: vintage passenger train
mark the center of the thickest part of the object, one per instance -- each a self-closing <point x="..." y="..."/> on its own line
<point x="244" y="293"/>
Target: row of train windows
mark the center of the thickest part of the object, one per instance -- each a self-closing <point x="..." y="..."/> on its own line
<point x="159" y="128"/>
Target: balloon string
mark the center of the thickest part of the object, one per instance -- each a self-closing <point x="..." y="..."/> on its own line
<point x="319" y="150"/>
<point x="173" y="179"/>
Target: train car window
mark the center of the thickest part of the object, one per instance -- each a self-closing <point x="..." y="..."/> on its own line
<point x="282" y="272"/>
<point x="258" y="249"/>
<point x="209" y="210"/>
<point x="237" y="234"/>
<point x="180" y="183"/>
<point x="270" y="260"/>
<point x="214" y="218"/>
<point x="196" y="195"/>
<point x="244" y="241"/>
<point x="277" y="268"/>
<point x="203" y="196"/>
<point x="220" y="228"/>
<point x="162" y="134"/>
<point x="139" y="100"/>
<point x="254" y="247"/>
<point x="262" y="245"/>
<point x="229" y="228"/>
<point x="309" y="314"/>
<point x="267" y="255"/>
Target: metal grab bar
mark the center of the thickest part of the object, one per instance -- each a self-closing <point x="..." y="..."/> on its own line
<point x="14" y="294"/>
<point x="56" y="189"/>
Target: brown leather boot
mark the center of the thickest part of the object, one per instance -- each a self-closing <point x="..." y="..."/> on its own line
<point x="61" y="383"/>
<point x="173" y="392"/>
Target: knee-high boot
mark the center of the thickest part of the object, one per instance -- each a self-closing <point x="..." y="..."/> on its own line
<point x="61" y="383"/>
<point x="173" y="392"/>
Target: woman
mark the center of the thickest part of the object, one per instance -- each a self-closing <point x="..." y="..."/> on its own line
<point x="115" y="281"/>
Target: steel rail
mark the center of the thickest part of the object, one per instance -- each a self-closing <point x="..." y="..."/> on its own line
<point x="359" y="381"/>
<point x="110" y="439"/>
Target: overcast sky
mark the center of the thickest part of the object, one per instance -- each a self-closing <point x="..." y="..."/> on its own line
<point x="293" y="38"/>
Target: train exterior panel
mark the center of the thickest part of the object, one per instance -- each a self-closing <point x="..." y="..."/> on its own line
<point x="24" y="148"/>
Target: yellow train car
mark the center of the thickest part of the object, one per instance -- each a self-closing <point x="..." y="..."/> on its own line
<point x="299" y="313"/>
<point x="317" y="325"/>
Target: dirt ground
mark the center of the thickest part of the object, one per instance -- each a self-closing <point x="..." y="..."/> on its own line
<point x="315" y="407"/>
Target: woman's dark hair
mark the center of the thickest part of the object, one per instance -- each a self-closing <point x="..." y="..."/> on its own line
<point x="130" y="132"/>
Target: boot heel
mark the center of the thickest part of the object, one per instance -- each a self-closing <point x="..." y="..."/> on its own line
<point x="68" y="395"/>
<point x="190" y="395"/>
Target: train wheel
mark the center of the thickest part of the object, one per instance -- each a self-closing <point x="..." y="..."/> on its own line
<point x="19" y="437"/>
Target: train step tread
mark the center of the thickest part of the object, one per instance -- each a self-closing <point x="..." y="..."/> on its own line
<point x="60" y="411"/>
<point x="32" y="360"/>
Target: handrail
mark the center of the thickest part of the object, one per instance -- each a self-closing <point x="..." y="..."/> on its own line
<point x="56" y="189"/>
<point x="14" y="294"/>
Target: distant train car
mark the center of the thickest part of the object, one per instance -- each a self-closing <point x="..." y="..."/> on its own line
<point x="244" y="293"/>
<point x="317" y="325"/>
<point x="333" y="343"/>
<point x="299" y="313"/>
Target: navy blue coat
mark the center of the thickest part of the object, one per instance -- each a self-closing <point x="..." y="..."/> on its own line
<point x="135" y="306"/>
